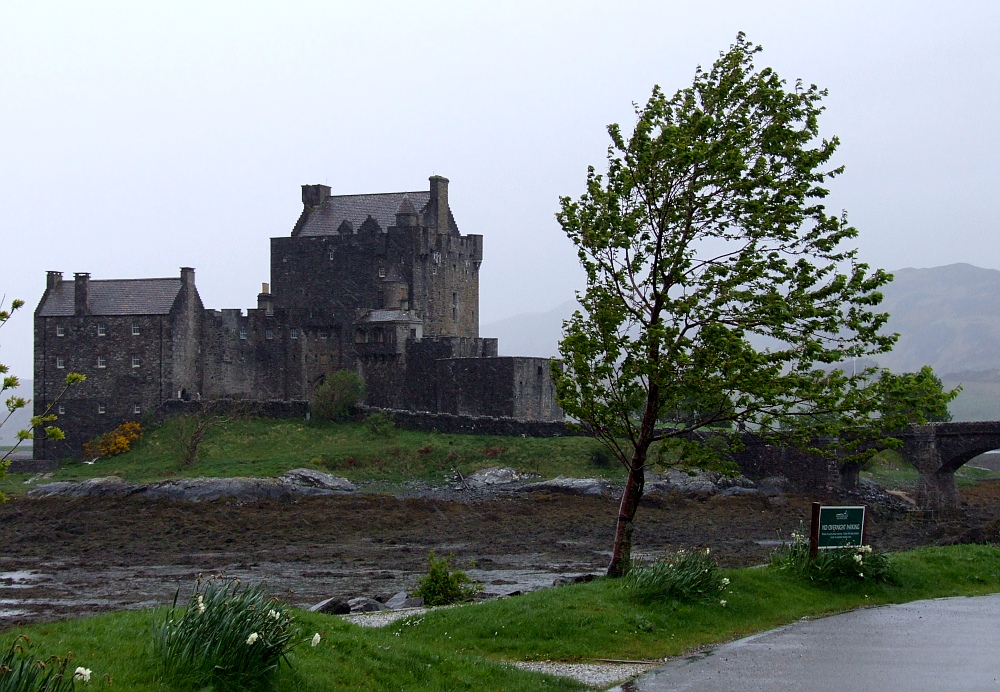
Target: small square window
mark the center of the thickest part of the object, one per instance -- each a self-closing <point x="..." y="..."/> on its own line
<point x="62" y="409"/>
<point x="136" y="409"/>
<point x="135" y="329"/>
<point x="294" y="334"/>
<point x="60" y="362"/>
<point x="322" y="335"/>
<point x="102" y="362"/>
<point x="269" y="334"/>
<point x="60" y="330"/>
<point x="102" y="329"/>
<point x="135" y="360"/>
<point x="381" y="272"/>
<point x="243" y="333"/>
<point x="100" y="408"/>
<point x="331" y="254"/>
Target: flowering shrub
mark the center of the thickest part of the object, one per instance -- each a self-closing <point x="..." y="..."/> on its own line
<point x="229" y="637"/>
<point x="686" y="575"/>
<point x="442" y="585"/>
<point x="22" y="672"/>
<point x="836" y="566"/>
<point x="115" y="442"/>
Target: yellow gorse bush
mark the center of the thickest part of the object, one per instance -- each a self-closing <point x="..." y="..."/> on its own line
<point x="114" y="442"/>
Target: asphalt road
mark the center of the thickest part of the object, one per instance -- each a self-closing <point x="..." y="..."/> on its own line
<point x="949" y="644"/>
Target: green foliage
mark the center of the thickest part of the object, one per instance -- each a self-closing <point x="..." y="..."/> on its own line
<point x="600" y="457"/>
<point x="22" y="672"/>
<point x="836" y="567"/>
<point x="708" y="235"/>
<point x="379" y="425"/>
<point x="230" y="636"/>
<point x="916" y="397"/>
<point x="337" y="396"/>
<point x="686" y="575"/>
<point x="443" y="585"/>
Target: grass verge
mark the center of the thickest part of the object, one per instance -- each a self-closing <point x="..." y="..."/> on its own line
<point x="262" y="447"/>
<point x="456" y="648"/>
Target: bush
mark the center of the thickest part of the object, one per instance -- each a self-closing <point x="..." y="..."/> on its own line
<point x="114" y="442"/>
<point x="442" y="585"/>
<point x="339" y="393"/>
<point x="837" y="567"/>
<point x="687" y="575"/>
<point x="379" y="425"/>
<point x="230" y="637"/>
<point x="22" y="672"/>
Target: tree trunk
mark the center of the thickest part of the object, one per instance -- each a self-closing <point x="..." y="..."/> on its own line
<point x="621" y="555"/>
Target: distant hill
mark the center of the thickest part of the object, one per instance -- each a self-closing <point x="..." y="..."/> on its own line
<point x="947" y="317"/>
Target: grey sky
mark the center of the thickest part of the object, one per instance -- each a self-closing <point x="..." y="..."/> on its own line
<point x="140" y="137"/>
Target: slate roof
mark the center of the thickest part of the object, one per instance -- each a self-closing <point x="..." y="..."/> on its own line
<point x="114" y="297"/>
<point x="355" y="209"/>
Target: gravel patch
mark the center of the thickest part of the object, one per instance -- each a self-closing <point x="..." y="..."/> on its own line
<point x="382" y="618"/>
<point x="593" y="674"/>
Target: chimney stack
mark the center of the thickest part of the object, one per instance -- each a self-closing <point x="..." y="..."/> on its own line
<point x="439" y="204"/>
<point x="314" y="195"/>
<point x="52" y="280"/>
<point x="187" y="277"/>
<point x="81" y="290"/>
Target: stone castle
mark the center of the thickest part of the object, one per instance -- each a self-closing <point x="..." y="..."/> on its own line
<point x="384" y="284"/>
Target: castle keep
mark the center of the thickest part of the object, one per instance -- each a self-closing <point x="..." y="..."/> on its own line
<point x="384" y="284"/>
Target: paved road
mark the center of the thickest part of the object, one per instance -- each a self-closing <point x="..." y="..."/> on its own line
<point x="948" y="644"/>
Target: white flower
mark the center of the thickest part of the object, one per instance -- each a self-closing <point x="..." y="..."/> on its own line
<point x="725" y="581"/>
<point x="201" y="604"/>
<point x="315" y="640"/>
<point x="861" y="575"/>
<point x="274" y="614"/>
<point x="858" y="559"/>
<point x="252" y="638"/>
<point x="82" y="673"/>
<point x="722" y="603"/>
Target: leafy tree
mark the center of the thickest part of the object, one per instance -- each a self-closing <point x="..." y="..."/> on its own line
<point x="40" y="425"/>
<point x="916" y="397"/>
<point x="706" y="235"/>
<point x="193" y="428"/>
<point x="337" y="395"/>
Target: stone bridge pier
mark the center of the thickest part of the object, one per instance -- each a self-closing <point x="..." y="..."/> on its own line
<point x="938" y="450"/>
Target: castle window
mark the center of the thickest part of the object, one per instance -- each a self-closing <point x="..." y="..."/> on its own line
<point x="60" y="330"/>
<point x="269" y="334"/>
<point x="454" y="306"/>
<point x="377" y="336"/>
<point x="381" y="272"/>
<point x="135" y="329"/>
<point x="136" y="409"/>
<point x="324" y="359"/>
<point x="243" y="333"/>
<point x="102" y="362"/>
<point x="102" y="329"/>
<point x="322" y="335"/>
<point x="60" y="362"/>
<point x="100" y="408"/>
<point x="360" y="337"/>
<point x="295" y="334"/>
<point x="62" y="409"/>
<point x="135" y="360"/>
<point x="331" y="255"/>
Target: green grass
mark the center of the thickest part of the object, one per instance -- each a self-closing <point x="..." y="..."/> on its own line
<point x="262" y="447"/>
<point x="457" y="648"/>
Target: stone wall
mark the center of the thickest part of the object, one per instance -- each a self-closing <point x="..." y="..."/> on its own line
<point x="474" y="425"/>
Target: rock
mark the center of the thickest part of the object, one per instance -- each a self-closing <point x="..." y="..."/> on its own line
<point x="208" y="489"/>
<point x="575" y="486"/>
<point x="108" y="486"/>
<point x="495" y="475"/>
<point x="739" y="490"/>
<point x="365" y="605"/>
<point x="580" y="579"/>
<point x="400" y="601"/>
<point x="334" y="606"/>
<point x="772" y="485"/>
<point x="305" y="479"/>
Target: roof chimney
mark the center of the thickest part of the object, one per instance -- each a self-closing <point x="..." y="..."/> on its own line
<point x="52" y="280"/>
<point x="81" y="289"/>
<point x="439" y="204"/>
<point x="187" y="277"/>
<point x="314" y="195"/>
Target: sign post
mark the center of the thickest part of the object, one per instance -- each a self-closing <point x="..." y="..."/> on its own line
<point x="836" y="527"/>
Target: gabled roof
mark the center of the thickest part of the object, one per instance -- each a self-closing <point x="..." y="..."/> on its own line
<point x="114" y="297"/>
<point x="327" y="218"/>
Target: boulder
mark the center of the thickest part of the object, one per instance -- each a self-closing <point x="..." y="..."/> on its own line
<point x="108" y="486"/>
<point x="401" y="600"/>
<point x="495" y="475"/>
<point x="579" y="579"/>
<point x="575" y="486"/>
<point x="365" y="605"/>
<point x="209" y="489"/>
<point x="312" y="482"/>
<point x="334" y="606"/>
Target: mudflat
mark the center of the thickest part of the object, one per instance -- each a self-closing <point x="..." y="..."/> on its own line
<point x="64" y="557"/>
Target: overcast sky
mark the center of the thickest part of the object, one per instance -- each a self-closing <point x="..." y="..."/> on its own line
<point x="138" y="137"/>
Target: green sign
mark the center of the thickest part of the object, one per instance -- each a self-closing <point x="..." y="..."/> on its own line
<point x="841" y="527"/>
